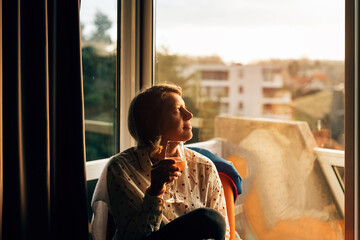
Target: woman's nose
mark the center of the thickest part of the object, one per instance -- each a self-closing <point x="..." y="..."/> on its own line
<point x="187" y="115"/>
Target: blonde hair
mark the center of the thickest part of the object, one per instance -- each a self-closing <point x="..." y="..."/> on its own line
<point x="144" y="116"/>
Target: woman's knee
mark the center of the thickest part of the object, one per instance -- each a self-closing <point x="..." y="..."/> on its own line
<point x="211" y="219"/>
<point x="209" y="214"/>
<point x="202" y="223"/>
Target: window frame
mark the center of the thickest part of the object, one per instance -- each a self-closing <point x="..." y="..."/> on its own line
<point x="136" y="57"/>
<point x="351" y="120"/>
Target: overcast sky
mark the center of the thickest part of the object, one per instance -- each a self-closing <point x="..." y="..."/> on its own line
<point x="243" y="30"/>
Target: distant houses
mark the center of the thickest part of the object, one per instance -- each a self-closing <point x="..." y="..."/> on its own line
<point x="265" y="91"/>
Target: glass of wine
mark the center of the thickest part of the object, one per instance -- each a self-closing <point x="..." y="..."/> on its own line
<point x="175" y="150"/>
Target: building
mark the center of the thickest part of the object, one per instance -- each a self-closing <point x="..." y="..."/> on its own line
<point x="244" y="90"/>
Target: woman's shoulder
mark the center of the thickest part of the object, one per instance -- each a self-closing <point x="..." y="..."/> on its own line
<point x="123" y="158"/>
<point x="198" y="158"/>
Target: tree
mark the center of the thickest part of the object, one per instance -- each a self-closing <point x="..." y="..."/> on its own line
<point x="102" y="24"/>
<point x="172" y="68"/>
<point x="169" y="69"/>
<point x="293" y="68"/>
<point x="99" y="74"/>
<point x="82" y="27"/>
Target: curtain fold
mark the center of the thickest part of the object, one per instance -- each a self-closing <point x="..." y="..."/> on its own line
<point x="42" y="161"/>
<point x="68" y="182"/>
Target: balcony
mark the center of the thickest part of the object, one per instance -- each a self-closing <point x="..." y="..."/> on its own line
<point x="276" y="96"/>
<point x="272" y="81"/>
<point x="286" y="99"/>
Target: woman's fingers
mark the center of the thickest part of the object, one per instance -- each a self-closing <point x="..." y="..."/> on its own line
<point x="164" y="171"/>
<point x="164" y="166"/>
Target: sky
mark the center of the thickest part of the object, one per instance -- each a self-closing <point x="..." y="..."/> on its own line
<point x="243" y="31"/>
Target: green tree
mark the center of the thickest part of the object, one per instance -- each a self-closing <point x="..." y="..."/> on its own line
<point x="172" y="68"/>
<point x="99" y="73"/>
<point x="293" y="68"/>
<point x="169" y="69"/>
<point x="102" y="24"/>
<point x="82" y="27"/>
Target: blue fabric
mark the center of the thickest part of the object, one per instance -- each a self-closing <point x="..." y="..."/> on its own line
<point x="223" y="166"/>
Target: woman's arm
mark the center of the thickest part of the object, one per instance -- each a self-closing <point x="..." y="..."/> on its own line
<point x="134" y="217"/>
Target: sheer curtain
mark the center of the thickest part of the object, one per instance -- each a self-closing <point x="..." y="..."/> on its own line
<point x="42" y="160"/>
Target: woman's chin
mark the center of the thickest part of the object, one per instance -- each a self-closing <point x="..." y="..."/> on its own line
<point x="188" y="137"/>
<point x="183" y="136"/>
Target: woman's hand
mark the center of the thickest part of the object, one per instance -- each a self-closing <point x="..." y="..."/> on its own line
<point x="162" y="172"/>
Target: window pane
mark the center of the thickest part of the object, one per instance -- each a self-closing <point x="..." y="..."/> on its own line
<point x="278" y="60"/>
<point x="98" y="39"/>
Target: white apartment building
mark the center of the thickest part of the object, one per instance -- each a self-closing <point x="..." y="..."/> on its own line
<point x="244" y="90"/>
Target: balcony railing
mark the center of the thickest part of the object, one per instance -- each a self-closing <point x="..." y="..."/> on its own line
<point x="102" y="127"/>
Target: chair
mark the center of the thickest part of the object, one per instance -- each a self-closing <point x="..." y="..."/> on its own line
<point x="232" y="185"/>
<point x="102" y="224"/>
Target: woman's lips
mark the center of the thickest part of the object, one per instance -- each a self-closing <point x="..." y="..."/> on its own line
<point x="187" y="126"/>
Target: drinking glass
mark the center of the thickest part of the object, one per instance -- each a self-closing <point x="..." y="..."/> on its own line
<point x="175" y="150"/>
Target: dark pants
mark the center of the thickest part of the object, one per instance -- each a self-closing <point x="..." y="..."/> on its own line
<point x="202" y="223"/>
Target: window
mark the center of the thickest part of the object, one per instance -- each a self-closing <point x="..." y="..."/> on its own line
<point x="221" y="91"/>
<point x="214" y="75"/>
<point x="267" y="75"/>
<point x="240" y="73"/>
<point x="268" y="109"/>
<point x="98" y="35"/>
<point x="269" y="92"/>
<point x="288" y="77"/>
<point x="215" y="91"/>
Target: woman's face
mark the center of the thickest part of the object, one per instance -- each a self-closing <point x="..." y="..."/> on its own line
<point x="175" y="124"/>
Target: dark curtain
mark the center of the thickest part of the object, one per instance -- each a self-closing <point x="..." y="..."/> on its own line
<point x="42" y="161"/>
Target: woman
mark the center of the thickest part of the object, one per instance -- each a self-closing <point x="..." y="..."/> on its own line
<point x="137" y="177"/>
